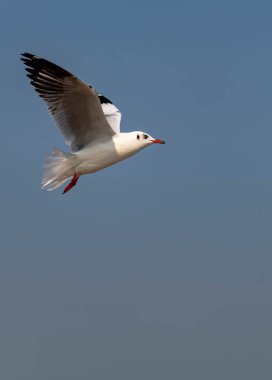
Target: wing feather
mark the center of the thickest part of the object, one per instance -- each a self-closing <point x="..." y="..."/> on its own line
<point x="112" y="113"/>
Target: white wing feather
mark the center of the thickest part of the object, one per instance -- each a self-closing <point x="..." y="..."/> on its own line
<point x="112" y="113"/>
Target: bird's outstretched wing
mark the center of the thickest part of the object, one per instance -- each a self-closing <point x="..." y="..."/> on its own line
<point x="74" y="105"/>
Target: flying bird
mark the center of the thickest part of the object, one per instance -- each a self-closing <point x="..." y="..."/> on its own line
<point x="89" y="122"/>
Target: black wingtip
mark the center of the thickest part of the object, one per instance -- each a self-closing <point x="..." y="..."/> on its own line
<point x="36" y="64"/>
<point x="103" y="99"/>
<point x="26" y="56"/>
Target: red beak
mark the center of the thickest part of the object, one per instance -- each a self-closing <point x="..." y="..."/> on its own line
<point x="158" y="141"/>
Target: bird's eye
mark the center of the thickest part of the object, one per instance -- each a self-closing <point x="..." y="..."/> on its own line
<point x="138" y="137"/>
<point x="145" y="136"/>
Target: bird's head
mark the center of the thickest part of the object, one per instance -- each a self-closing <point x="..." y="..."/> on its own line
<point x="132" y="142"/>
<point x="143" y="139"/>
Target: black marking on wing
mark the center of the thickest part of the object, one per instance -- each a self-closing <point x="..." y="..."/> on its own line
<point x="103" y="99"/>
<point x="36" y="64"/>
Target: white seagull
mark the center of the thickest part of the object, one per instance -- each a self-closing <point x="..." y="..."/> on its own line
<point x="89" y="122"/>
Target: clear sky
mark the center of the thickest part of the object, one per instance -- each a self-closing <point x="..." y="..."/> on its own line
<point x="159" y="267"/>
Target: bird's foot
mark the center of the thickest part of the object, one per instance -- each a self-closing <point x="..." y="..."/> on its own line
<point x="71" y="184"/>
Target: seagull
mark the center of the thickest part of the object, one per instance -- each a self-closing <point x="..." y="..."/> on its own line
<point x="89" y="122"/>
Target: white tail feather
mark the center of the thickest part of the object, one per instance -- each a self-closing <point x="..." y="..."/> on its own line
<point x="58" y="168"/>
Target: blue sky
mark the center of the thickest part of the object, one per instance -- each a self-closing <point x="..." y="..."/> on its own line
<point x="158" y="267"/>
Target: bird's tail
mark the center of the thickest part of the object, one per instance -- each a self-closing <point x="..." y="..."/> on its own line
<point x="58" y="168"/>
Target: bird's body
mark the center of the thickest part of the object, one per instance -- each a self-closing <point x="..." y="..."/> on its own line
<point x="97" y="156"/>
<point x="89" y="122"/>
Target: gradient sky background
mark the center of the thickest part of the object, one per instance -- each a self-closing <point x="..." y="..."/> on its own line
<point x="159" y="267"/>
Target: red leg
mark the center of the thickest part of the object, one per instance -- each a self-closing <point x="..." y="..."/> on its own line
<point x="71" y="184"/>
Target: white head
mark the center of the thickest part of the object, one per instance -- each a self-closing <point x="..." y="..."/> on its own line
<point x="141" y="139"/>
<point x="132" y="142"/>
